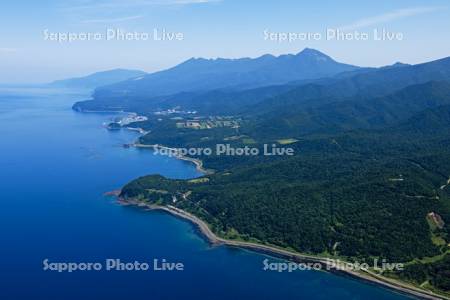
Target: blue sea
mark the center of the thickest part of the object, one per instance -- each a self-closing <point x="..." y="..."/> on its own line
<point x="56" y="165"/>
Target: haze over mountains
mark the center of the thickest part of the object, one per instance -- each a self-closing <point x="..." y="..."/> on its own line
<point x="98" y="79"/>
<point x="198" y="74"/>
<point x="284" y="84"/>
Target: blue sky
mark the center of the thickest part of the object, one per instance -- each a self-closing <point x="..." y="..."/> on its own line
<point x="210" y="28"/>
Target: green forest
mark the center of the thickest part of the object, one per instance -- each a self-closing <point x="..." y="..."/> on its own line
<point x="371" y="164"/>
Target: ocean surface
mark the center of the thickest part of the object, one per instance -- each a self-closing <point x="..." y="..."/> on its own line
<point x="55" y="166"/>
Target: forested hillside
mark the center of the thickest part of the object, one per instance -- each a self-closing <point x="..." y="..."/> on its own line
<point x="368" y="178"/>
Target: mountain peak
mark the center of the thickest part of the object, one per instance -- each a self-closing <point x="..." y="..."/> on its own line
<point x="309" y="50"/>
<point x="400" y="64"/>
<point x="266" y="56"/>
<point x="199" y="74"/>
<point x="315" y="54"/>
<point x="396" y="65"/>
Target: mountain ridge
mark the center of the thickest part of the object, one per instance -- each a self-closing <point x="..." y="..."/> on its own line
<point x="199" y="74"/>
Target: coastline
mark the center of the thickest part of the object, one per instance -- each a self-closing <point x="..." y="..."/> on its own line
<point x="140" y="130"/>
<point x="197" y="162"/>
<point x="212" y="238"/>
<point x="205" y="231"/>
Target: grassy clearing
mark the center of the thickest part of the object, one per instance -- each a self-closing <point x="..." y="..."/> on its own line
<point x="286" y="141"/>
<point x="199" y="180"/>
<point x="248" y="141"/>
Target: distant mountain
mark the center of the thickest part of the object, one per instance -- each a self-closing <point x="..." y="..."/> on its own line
<point x="368" y="83"/>
<point x="357" y="84"/>
<point x="99" y="79"/>
<point x="198" y="74"/>
<point x="396" y="65"/>
<point x="388" y="79"/>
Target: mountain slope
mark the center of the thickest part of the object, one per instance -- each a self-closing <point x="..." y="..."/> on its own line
<point x="360" y="194"/>
<point x="208" y="74"/>
<point x="367" y="84"/>
<point x="298" y="119"/>
<point x="360" y="83"/>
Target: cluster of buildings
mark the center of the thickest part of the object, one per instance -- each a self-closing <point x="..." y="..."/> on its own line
<point x="211" y="122"/>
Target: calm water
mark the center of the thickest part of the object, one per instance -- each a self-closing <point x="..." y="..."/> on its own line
<point x="55" y="166"/>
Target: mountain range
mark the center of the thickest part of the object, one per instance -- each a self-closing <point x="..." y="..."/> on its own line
<point x="198" y="74"/>
<point x="285" y="82"/>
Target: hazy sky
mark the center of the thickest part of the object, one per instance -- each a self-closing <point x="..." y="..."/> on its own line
<point x="210" y="28"/>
